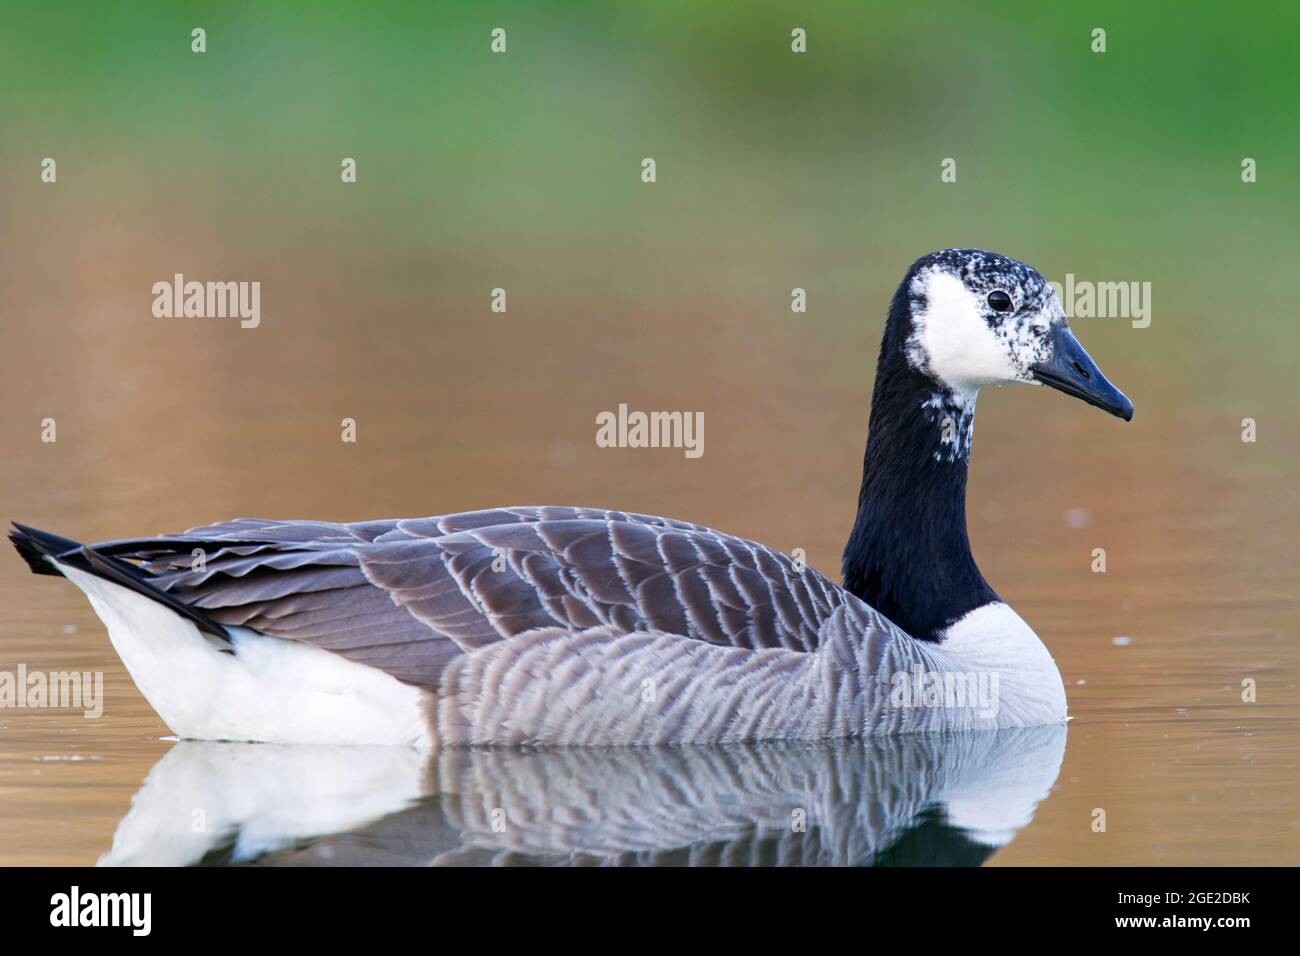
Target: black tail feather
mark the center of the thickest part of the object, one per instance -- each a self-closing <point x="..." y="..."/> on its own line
<point x="37" y="547"/>
<point x="34" y="544"/>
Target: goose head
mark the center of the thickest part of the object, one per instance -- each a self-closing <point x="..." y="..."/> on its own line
<point x="973" y="318"/>
<point x="961" y="319"/>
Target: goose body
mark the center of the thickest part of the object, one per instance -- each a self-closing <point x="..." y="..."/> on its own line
<point x="574" y="626"/>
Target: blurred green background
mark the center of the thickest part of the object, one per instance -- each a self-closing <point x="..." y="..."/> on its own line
<point x="774" y="169"/>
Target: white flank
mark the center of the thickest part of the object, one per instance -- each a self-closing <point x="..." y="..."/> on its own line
<point x="270" y="689"/>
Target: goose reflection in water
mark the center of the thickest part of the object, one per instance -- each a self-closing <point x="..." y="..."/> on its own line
<point x="925" y="799"/>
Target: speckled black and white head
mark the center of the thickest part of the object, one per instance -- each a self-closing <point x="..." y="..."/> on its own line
<point x="968" y="318"/>
<point x="978" y="318"/>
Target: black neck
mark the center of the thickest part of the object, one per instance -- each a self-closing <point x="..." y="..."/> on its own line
<point x="908" y="555"/>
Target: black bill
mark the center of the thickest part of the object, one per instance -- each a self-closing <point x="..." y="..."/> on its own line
<point x="1072" y="371"/>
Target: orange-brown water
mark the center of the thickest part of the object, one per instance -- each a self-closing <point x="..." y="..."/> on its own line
<point x="162" y="427"/>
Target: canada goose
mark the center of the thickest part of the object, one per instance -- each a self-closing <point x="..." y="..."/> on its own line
<point x="555" y="626"/>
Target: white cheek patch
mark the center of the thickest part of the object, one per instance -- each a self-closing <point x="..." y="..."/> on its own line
<point x="952" y="341"/>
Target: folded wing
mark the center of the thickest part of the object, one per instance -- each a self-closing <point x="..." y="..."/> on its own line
<point x="408" y="596"/>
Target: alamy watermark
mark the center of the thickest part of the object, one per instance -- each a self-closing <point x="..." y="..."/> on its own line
<point x="965" y="690"/>
<point x="55" y="690"/>
<point x="208" y="300"/>
<point x="133" y="911"/>
<point x="1105" y="300"/>
<point x="633" y="429"/>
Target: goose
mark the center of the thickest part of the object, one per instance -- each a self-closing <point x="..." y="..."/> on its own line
<point x="569" y="626"/>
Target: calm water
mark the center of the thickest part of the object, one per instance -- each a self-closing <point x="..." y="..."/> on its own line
<point x="1199" y="533"/>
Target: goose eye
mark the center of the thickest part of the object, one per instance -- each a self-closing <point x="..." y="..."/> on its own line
<point x="999" y="300"/>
